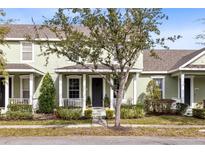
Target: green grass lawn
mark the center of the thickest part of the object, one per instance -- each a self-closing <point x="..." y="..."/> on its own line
<point x="175" y="132"/>
<point x="164" y="120"/>
<point x="44" y="122"/>
<point x="155" y="120"/>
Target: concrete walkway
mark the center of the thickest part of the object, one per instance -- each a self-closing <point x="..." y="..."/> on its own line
<point x="98" y="125"/>
<point x="101" y="140"/>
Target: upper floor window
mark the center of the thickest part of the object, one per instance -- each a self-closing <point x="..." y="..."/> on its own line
<point x="27" y="51"/>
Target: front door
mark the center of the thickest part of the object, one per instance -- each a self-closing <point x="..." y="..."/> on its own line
<point x="97" y="92"/>
<point x="2" y="93"/>
<point x="187" y="90"/>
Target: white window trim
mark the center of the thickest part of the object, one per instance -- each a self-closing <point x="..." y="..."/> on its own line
<point x="21" y="52"/>
<point x="74" y="77"/>
<point x="163" y="84"/>
<point x="21" y="86"/>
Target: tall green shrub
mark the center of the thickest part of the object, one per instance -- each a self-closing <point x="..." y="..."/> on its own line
<point x="47" y="95"/>
<point x="153" y="91"/>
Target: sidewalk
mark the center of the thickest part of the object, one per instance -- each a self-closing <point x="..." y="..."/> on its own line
<point x="98" y="125"/>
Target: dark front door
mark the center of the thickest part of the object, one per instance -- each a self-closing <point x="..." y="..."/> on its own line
<point x="187" y="89"/>
<point x="97" y="92"/>
<point x="2" y="93"/>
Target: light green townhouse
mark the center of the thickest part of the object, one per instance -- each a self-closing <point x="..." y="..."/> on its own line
<point x="179" y="73"/>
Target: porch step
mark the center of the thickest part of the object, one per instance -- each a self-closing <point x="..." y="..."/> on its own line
<point x="188" y="112"/>
<point x="98" y="112"/>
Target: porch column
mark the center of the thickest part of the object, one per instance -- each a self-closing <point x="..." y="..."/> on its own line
<point x="84" y="92"/>
<point x="6" y="93"/>
<point x="60" y="90"/>
<point x="182" y="87"/>
<point x="31" y="81"/>
<point x="135" y="78"/>
<point x="111" y="93"/>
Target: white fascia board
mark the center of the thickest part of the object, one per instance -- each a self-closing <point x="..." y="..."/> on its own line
<point x="154" y="72"/>
<point x="87" y="70"/>
<point x="40" y="39"/>
<point x="192" y="69"/>
<point x="193" y="59"/>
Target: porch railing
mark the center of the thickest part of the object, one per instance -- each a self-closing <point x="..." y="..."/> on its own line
<point x="72" y="102"/>
<point x="19" y="100"/>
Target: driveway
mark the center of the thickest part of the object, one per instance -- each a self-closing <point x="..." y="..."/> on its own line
<point x="100" y="140"/>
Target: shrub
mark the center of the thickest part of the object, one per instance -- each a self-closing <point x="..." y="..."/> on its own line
<point x="153" y="91"/>
<point x="69" y="114"/>
<point x="162" y="106"/>
<point x="88" y="102"/>
<point x="18" y="115"/>
<point x="109" y="114"/>
<point x="181" y="108"/>
<point x="199" y="113"/>
<point x="106" y="101"/>
<point x="88" y="113"/>
<point x="47" y="95"/>
<point x="20" y="107"/>
<point x="132" y="111"/>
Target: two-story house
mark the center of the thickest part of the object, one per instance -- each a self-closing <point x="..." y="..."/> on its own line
<point x="179" y="74"/>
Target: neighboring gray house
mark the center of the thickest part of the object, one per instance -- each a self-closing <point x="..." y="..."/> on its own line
<point x="179" y="73"/>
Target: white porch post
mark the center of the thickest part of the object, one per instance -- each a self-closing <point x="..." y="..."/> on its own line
<point x="135" y="78"/>
<point x="6" y="93"/>
<point x="84" y="92"/>
<point x="111" y="93"/>
<point x="192" y="92"/>
<point x="60" y="90"/>
<point x="182" y="87"/>
<point x="31" y="81"/>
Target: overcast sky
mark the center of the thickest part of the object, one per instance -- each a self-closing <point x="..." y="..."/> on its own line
<point x="181" y="22"/>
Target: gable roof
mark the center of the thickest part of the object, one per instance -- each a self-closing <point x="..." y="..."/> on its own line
<point x="21" y="31"/>
<point x="168" y="59"/>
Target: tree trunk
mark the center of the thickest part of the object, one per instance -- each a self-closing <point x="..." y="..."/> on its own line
<point x="120" y="96"/>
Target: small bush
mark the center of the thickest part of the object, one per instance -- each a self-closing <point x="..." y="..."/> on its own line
<point x="199" y="113"/>
<point x="20" y="107"/>
<point x="18" y="115"/>
<point x="132" y="111"/>
<point x="181" y="108"/>
<point x="106" y="101"/>
<point x="88" y="102"/>
<point x="109" y="114"/>
<point x="88" y="113"/>
<point x="69" y="114"/>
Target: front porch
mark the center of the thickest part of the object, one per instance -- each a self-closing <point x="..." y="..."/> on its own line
<point x="19" y="87"/>
<point x="75" y="87"/>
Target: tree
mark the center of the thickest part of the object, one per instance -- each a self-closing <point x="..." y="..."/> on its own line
<point x="3" y="31"/>
<point x="47" y="95"/>
<point x="153" y="91"/>
<point x="120" y="34"/>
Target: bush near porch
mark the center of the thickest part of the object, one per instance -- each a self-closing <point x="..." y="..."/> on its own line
<point x="19" y="112"/>
<point x="132" y="111"/>
<point x="69" y="113"/>
<point x="199" y="113"/>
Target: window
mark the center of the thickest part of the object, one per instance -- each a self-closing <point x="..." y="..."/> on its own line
<point x="25" y="87"/>
<point x="27" y="51"/>
<point x="74" y="88"/>
<point x="160" y="83"/>
<point x="116" y="85"/>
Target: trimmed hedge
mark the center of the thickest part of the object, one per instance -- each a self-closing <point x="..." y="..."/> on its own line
<point x="88" y="113"/>
<point x="132" y="111"/>
<point x="20" y="107"/>
<point x="199" y="113"/>
<point x="69" y="113"/>
<point x="18" y="115"/>
<point x="109" y="114"/>
<point x="162" y="106"/>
